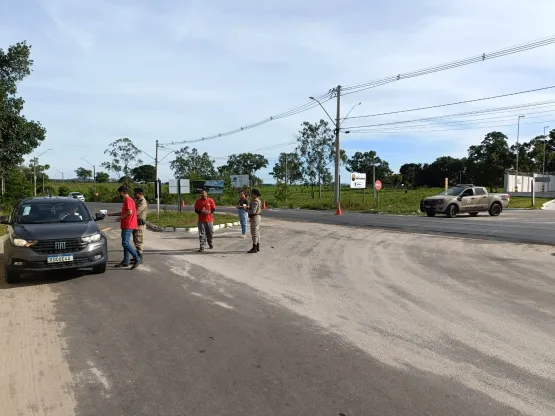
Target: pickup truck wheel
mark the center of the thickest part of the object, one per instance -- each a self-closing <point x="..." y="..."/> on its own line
<point x="100" y="269"/>
<point x="10" y="276"/>
<point x="473" y="214"/>
<point x="495" y="209"/>
<point x="451" y="211"/>
<point x="430" y="214"/>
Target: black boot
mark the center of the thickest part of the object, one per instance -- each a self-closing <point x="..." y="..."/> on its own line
<point x="257" y="247"/>
<point x="253" y="249"/>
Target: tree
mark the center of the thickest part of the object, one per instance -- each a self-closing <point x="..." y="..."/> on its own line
<point x="18" y="136"/>
<point x="190" y="164"/>
<point x="83" y="173"/>
<point x="144" y="173"/>
<point x="410" y="172"/>
<point x="246" y="164"/>
<point x="316" y="151"/>
<point x="488" y="160"/>
<point x="125" y="156"/>
<point x="34" y="168"/>
<point x="364" y="162"/>
<point x="102" y="177"/>
<point x="288" y="168"/>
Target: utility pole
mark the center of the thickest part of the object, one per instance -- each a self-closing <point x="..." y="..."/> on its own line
<point x="157" y="190"/>
<point x="35" y="176"/>
<point x="337" y="148"/>
<point x="544" y="144"/>
<point x="285" y="176"/>
<point x="517" y="152"/>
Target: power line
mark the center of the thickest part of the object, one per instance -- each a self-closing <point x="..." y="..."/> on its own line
<point x="408" y="130"/>
<point x="540" y="104"/>
<point x="372" y="84"/>
<point x="451" y="104"/>
<point x="297" y="110"/>
<point x="450" y="65"/>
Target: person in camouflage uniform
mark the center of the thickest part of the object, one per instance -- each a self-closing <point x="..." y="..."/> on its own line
<point x="254" y="211"/>
<point x="142" y="210"/>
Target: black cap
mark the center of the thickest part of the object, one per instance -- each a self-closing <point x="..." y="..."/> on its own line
<point x="255" y="192"/>
<point x="138" y="191"/>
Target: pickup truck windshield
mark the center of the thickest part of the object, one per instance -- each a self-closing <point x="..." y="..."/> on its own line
<point x="51" y="212"/>
<point x="453" y="191"/>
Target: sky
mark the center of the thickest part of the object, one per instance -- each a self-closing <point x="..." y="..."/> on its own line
<point x="176" y="71"/>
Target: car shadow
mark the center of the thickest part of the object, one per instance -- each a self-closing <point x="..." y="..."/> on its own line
<point x="44" y="278"/>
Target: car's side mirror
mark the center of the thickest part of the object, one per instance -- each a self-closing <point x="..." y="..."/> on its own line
<point x="460" y="198"/>
<point x="99" y="217"/>
<point x="4" y="219"/>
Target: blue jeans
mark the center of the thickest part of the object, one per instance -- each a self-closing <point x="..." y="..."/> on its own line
<point x="128" y="249"/>
<point x="243" y="215"/>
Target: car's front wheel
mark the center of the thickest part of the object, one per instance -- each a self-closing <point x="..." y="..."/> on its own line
<point x="100" y="269"/>
<point x="11" y="276"/>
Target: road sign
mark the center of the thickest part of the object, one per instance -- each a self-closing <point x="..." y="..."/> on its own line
<point x="182" y="188"/>
<point x="378" y="185"/>
<point x="358" y="180"/>
<point x="239" y="181"/>
<point x="545" y="179"/>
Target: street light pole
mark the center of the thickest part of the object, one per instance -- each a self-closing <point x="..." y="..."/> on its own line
<point x="544" y="142"/>
<point x="94" y="174"/>
<point x="517" y="152"/>
<point x="36" y="161"/>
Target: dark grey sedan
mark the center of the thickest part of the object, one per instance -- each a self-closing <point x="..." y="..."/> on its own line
<point x="50" y="233"/>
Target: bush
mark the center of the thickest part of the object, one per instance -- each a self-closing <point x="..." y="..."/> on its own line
<point x="63" y="191"/>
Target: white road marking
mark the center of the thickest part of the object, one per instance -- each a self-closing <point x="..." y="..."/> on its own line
<point x="222" y="304"/>
<point x="99" y="375"/>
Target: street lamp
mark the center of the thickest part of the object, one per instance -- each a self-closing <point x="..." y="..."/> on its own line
<point x="35" y="170"/>
<point x="517" y="152"/>
<point x="62" y="173"/>
<point x="544" y="142"/>
<point x="94" y="174"/>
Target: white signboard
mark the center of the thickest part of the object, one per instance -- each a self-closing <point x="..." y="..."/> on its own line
<point x="185" y="186"/>
<point x="358" y="180"/>
<point x="239" y="181"/>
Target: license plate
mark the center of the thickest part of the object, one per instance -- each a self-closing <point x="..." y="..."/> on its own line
<point x="62" y="258"/>
<point x="427" y="206"/>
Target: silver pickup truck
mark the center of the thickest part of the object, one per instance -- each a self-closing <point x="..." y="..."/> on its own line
<point x="465" y="198"/>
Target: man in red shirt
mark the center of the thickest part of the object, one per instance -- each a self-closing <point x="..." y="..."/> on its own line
<point x="205" y="208"/>
<point x="128" y="222"/>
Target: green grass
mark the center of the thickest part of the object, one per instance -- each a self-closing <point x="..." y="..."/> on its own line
<point x="526" y="202"/>
<point x="3" y="230"/>
<point x="185" y="219"/>
<point x="392" y="201"/>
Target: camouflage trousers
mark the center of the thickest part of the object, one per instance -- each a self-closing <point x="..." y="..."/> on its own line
<point x="138" y="239"/>
<point x="255" y="229"/>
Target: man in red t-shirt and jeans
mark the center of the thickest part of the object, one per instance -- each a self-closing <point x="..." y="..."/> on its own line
<point x="128" y="222"/>
<point x="205" y="207"/>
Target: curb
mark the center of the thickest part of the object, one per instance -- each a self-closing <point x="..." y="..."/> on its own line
<point x="157" y="229"/>
<point x="545" y="206"/>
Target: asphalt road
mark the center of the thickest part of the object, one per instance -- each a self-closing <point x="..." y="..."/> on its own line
<point x="382" y="328"/>
<point x="520" y="226"/>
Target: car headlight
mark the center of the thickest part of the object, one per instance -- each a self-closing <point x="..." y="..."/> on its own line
<point x="20" y="242"/>
<point x="92" y="238"/>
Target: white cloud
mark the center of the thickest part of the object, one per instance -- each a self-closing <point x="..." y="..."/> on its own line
<point x="183" y="70"/>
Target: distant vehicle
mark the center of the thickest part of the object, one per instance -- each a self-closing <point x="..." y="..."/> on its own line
<point x="52" y="233"/>
<point x="77" y="195"/>
<point x="465" y="198"/>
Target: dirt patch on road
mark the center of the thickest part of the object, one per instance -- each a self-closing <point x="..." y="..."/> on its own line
<point x="34" y="376"/>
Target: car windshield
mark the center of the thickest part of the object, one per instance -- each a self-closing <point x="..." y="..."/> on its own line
<point x="51" y="212"/>
<point x="452" y="191"/>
